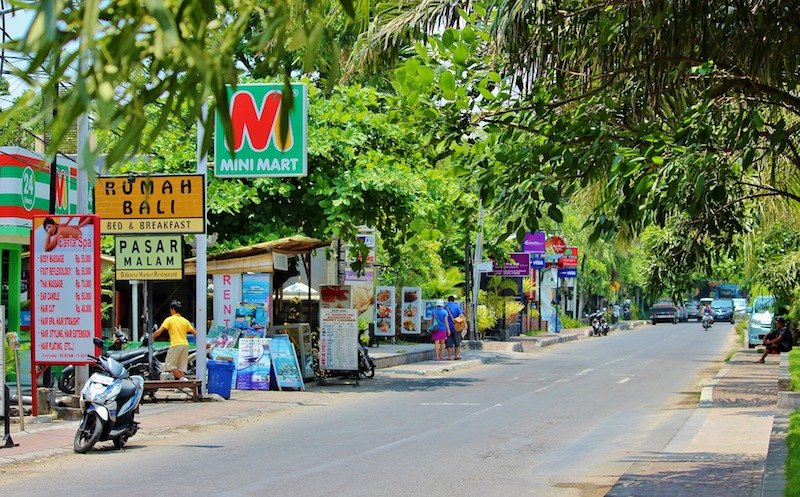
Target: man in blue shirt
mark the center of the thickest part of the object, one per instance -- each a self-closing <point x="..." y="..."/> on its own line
<point x="453" y="342"/>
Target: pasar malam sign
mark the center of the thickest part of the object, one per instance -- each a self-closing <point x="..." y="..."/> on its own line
<point x="156" y="204"/>
<point x="65" y="291"/>
<point x="260" y="147"/>
<point x="148" y="257"/>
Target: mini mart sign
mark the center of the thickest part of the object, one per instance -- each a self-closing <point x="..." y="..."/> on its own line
<point x="260" y="147"/>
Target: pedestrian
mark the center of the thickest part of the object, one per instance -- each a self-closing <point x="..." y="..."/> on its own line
<point x="453" y="341"/>
<point x="777" y="341"/>
<point x="179" y="327"/>
<point x="439" y="328"/>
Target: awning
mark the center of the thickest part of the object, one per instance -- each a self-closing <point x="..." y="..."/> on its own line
<point x="256" y="258"/>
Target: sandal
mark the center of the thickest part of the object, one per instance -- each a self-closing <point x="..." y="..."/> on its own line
<point x="760" y="361"/>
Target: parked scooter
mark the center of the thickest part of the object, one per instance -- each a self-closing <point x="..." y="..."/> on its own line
<point x="599" y="323"/>
<point x="109" y="401"/>
<point x="708" y="320"/>
<point x="366" y="366"/>
<point x="135" y="360"/>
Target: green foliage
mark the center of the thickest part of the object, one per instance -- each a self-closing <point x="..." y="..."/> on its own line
<point x="792" y="488"/>
<point x="444" y="284"/>
<point x="486" y="319"/>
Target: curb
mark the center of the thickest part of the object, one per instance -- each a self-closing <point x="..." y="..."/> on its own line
<point x="707" y="393"/>
<point x="773" y="482"/>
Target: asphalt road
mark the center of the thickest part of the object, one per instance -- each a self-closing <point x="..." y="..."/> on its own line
<point x="567" y="421"/>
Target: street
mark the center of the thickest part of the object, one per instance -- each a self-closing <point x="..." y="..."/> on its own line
<point x="566" y="421"/>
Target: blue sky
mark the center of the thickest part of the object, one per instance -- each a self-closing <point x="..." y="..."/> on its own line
<point x="16" y="24"/>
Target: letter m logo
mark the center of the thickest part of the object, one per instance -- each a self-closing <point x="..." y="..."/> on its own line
<point x="258" y="122"/>
<point x="257" y="146"/>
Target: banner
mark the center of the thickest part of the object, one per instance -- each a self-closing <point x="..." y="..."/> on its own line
<point x="253" y="364"/>
<point x="65" y="296"/>
<point x="385" y="311"/>
<point x="411" y="310"/>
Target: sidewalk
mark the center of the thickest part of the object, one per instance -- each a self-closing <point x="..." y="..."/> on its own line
<point x="729" y="446"/>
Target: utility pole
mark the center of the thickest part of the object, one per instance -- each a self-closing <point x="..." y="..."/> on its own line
<point x="201" y="284"/>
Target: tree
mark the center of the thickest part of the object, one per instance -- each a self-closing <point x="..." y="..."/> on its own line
<point x="119" y="59"/>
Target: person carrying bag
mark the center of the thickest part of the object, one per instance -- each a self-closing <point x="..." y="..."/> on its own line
<point x="458" y="325"/>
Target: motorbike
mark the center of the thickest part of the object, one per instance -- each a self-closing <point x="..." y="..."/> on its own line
<point x="708" y="320"/>
<point x="599" y="323"/>
<point x="109" y="402"/>
<point x="366" y="366"/>
<point x="626" y="312"/>
<point x="134" y="360"/>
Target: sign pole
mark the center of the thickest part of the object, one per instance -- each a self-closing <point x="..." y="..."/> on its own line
<point x="201" y="285"/>
<point x="476" y="276"/>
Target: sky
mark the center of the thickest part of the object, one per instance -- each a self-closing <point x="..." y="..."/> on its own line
<point x="16" y="24"/>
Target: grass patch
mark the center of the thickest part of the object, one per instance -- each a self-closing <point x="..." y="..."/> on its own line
<point x="793" y="456"/>
<point x="794" y="368"/>
<point x="741" y="331"/>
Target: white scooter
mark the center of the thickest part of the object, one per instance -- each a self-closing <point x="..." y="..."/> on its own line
<point x="109" y="401"/>
<point x="708" y="320"/>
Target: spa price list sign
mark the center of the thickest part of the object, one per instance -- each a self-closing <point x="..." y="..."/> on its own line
<point x="338" y="340"/>
<point x="65" y="303"/>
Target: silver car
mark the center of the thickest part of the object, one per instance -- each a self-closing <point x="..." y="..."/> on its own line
<point x="740" y="308"/>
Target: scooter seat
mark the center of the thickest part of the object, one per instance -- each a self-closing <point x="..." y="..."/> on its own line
<point x="125" y="355"/>
<point x="127" y="391"/>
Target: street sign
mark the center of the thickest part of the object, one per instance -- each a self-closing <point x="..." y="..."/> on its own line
<point x="534" y="243"/>
<point x="568" y="272"/>
<point x="148" y="257"/>
<point x="484" y="266"/>
<point x="518" y="267"/>
<point x="157" y="204"/>
<point x="537" y="263"/>
<point x="569" y="258"/>
<point x="261" y="148"/>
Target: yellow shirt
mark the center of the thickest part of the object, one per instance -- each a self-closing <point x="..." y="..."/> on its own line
<point x="178" y="327"/>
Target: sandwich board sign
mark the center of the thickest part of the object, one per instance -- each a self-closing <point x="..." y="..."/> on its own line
<point x="261" y="148"/>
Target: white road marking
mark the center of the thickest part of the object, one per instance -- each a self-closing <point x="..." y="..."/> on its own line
<point x="584" y="372"/>
<point x="624" y="380"/>
<point x="539" y="390"/>
<point x="487" y="409"/>
<point x="448" y="404"/>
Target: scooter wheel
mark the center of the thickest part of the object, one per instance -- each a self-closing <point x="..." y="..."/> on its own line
<point x="88" y="433"/>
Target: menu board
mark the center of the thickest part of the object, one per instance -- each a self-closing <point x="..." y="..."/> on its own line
<point x="65" y="296"/>
<point x="385" y="312"/>
<point x="411" y="310"/>
<point x="338" y="340"/>
<point x="253" y="364"/>
<point x="284" y="363"/>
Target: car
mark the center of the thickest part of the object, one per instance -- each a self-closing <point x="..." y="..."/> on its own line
<point x="693" y="309"/>
<point x="740" y="308"/>
<point x="664" y="310"/>
<point x="761" y="315"/>
<point x="722" y="310"/>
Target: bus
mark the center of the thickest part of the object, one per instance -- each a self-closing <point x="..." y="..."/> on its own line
<point x="727" y="291"/>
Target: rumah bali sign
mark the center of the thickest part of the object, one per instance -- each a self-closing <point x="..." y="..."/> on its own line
<point x="261" y="148"/>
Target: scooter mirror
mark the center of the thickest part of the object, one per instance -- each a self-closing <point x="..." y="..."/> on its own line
<point x="99" y="342"/>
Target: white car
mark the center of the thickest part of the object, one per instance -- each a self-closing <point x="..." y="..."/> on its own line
<point x="740" y="308"/>
<point x="761" y="316"/>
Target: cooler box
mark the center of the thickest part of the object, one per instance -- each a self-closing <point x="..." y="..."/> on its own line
<point x="220" y="377"/>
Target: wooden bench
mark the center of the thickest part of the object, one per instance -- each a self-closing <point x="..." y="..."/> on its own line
<point x="151" y="386"/>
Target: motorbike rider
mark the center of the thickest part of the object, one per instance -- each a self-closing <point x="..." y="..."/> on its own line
<point x="707" y="313"/>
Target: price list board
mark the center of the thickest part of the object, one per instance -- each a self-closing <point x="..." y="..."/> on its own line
<point x="65" y="292"/>
<point x="338" y="340"/>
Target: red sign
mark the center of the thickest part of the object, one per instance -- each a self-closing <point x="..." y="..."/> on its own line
<point x="569" y="257"/>
<point x="556" y="244"/>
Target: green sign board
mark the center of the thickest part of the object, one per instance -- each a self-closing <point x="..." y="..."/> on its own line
<point x="149" y="257"/>
<point x="260" y="147"/>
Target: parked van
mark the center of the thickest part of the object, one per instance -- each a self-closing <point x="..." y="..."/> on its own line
<point x="761" y="315"/>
